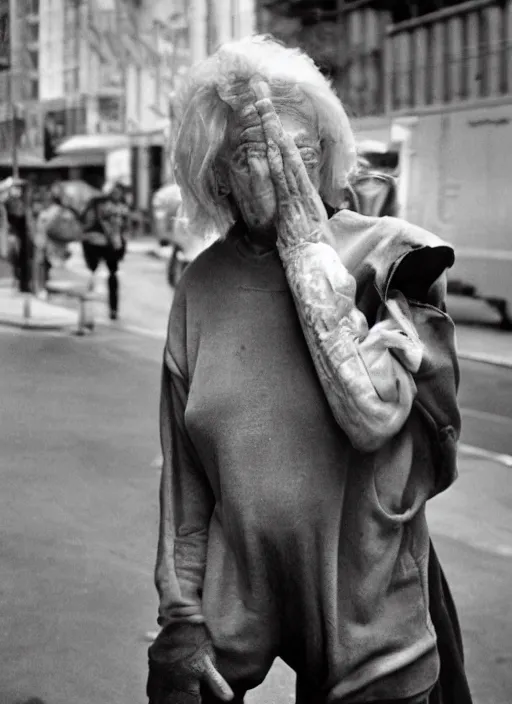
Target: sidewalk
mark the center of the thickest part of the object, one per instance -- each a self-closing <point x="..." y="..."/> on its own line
<point x="40" y="314"/>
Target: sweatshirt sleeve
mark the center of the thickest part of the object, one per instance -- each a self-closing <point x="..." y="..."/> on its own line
<point x="366" y="374"/>
<point x="186" y="503"/>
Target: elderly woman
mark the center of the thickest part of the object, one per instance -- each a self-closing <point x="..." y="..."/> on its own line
<point x="308" y="410"/>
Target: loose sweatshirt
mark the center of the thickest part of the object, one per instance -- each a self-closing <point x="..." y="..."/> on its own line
<point x="275" y="531"/>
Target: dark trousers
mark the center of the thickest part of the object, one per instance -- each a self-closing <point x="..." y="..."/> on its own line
<point x="94" y="254"/>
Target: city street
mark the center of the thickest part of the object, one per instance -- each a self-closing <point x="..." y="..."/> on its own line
<point x="80" y="470"/>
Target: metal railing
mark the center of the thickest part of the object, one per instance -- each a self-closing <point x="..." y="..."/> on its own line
<point x="477" y="75"/>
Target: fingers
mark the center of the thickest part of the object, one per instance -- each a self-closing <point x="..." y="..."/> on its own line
<point x="236" y="95"/>
<point x="261" y="185"/>
<point x="282" y="177"/>
<point x="282" y="152"/>
<point x="249" y="117"/>
<point x="271" y="123"/>
<point x="260" y="88"/>
<point x="216" y="681"/>
<point x="295" y="171"/>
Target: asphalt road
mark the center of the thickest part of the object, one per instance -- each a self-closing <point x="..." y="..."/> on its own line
<point x="485" y="398"/>
<point x="79" y="512"/>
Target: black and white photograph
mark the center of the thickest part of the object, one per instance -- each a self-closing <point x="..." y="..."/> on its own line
<point x="256" y="351"/>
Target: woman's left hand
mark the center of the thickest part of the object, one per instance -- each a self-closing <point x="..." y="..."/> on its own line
<point x="301" y="215"/>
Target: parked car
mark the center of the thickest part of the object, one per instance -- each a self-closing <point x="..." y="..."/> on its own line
<point x="164" y="206"/>
<point x="172" y="229"/>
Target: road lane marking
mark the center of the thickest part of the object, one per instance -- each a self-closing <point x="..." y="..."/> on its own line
<point x="485" y="416"/>
<point x="500" y="458"/>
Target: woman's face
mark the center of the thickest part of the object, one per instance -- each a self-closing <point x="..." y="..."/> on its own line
<point x="245" y="162"/>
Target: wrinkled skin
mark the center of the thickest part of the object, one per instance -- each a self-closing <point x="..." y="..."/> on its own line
<point x="366" y="375"/>
<point x="249" y="165"/>
<point x="271" y="165"/>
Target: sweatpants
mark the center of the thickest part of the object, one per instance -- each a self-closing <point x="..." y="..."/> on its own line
<point x="93" y="255"/>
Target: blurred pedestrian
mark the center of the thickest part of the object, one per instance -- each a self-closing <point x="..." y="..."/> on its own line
<point x="106" y="222"/>
<point x="22" y="234"/>
<point x="48" y="249"/>
<point x="308" y="412"/>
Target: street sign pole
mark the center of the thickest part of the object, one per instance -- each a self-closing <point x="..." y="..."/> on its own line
<point x="14" y="153"/>
<point x="24" y="222"/>
<point x="13" y="59"/>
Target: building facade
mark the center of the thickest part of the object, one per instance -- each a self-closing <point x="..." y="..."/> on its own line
<point x="19" y="80"/>
<point x="390" y="58"/>
<point x="450" y="89"/>
<point x="94" y="68"/>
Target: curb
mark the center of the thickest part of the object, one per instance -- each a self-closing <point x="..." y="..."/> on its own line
<point x="484" y="358"/>
<point x="50" y="327"/>
<point x="472" y="451"/>
<point x="32" y="314"/>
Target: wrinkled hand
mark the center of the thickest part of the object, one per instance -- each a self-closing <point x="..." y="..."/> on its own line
<point x="301" y="215"/>
<point x="248" y="162"/>
<point x="180" y="659"/>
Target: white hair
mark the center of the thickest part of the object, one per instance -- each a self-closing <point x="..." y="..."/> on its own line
<point x="203" y="120"/>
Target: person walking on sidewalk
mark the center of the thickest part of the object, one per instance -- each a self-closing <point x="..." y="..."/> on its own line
<point x="106" y="223"/>
<point x="22" y="235"/>
<point x="308" y="411"/>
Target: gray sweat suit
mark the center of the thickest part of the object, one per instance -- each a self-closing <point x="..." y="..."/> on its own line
<point x="275" y="531"/>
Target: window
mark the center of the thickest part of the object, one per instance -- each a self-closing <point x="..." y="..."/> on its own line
<point x="483" y="53"/>
<point x="464" y="60"/>
<point x="71" y="18"/>
<point x="33" y="32"/>
<point x="71" y="76"/>
<point x="33" y="57"/>
<point x="4" y="27"/>
<point x="5" y="85"/>
<point x="504" y="49"/>
<point x="33" y="89"/>
<point x="5" y="46"/>
<point x="429" y="66"/>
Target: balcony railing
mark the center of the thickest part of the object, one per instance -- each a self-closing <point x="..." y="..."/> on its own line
<point x="457" y="56"/>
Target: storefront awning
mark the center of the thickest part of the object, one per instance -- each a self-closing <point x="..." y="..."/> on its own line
<point x="25" y="161"/>
<point x="93" y="143"/>
<point x="70" y="161"/>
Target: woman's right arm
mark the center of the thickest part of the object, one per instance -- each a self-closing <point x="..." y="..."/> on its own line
<point x="186" y="505"/>
<point x="182" y="654"/>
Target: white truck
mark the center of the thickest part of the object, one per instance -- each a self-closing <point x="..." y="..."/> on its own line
<point x="455" y="180"/>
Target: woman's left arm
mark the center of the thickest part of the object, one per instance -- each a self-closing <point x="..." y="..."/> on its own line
<point x="367" y="374"/>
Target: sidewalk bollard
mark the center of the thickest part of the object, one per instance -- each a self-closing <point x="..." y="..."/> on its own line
<point x="27" y="309"/>
<point x="85" y="314"/>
